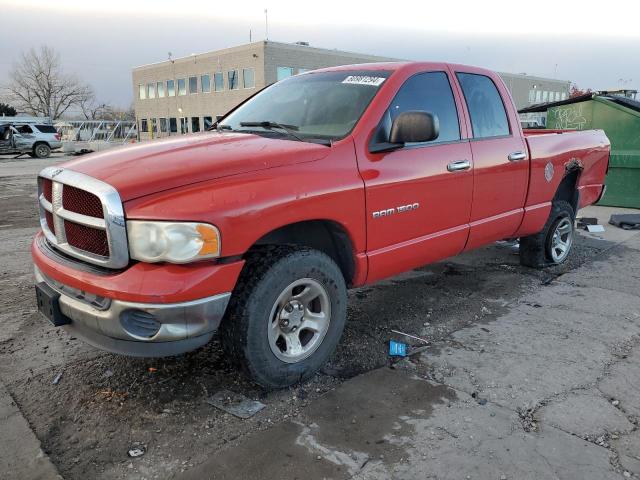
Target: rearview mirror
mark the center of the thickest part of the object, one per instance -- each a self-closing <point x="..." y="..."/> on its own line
<point x="414" y="127"/>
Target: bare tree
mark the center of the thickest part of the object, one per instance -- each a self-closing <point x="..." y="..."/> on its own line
<point x="94" y="111"/>
<point x="38" y="86"/>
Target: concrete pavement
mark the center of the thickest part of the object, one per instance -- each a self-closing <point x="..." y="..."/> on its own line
<point x="547" y="390"/>
<point x="21" y="456"/>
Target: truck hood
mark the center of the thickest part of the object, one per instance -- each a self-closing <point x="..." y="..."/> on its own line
<point x="151" y="167"/>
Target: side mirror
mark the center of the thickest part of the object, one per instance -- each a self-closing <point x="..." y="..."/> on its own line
<point x="414" y="127"/>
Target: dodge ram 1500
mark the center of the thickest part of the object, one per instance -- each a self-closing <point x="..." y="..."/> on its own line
<point x="328" y="180"/>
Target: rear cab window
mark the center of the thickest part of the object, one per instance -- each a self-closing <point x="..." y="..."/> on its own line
<point x="485" y="105"/>
<point x="429" y="92"/>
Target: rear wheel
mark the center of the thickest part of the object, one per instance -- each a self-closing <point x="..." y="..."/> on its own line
<point x="552" y="245"/>
<point x="41" y="150"/>
<point x="286" y="315"/>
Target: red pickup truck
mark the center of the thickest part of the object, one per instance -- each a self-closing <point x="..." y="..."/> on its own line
<point x="324" y="181"/>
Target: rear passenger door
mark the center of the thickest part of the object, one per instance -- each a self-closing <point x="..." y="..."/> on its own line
<point x="418" y="197"/>
<point x="501" y="166"/>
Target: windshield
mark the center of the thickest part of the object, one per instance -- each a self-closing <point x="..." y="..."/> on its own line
<point x="324" y="105"/>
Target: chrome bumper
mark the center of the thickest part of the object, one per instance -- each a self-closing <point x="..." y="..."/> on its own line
<point x="175" y="327"/>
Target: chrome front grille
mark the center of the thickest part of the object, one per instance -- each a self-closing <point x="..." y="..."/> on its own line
<point x="83" y="217"/>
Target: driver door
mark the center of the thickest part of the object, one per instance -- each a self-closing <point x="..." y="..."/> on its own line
<point x="418" y="198"/>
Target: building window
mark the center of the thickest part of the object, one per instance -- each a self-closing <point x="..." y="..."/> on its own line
<point x="143" y="125"/>
<point x="182" y="86"/>
<point x="183" y="125"/>
<point x="173" y="125"/>
<point x="532" y="95"/>
<point x="248" y="78"/>
<point x="193" y="85"/>
<point x="154" y="125"/>
<point x="563" y="96"/>
<point x="163" y="125"/>
<point x="142" y="93"/>
<point x="171" y="88"/>
<point x="283" y="72"/>
<point x="195" y="124"/>
<point x="303" y="70"/>
<point x="160" y="89"/>
<point x="151" y="90"/>
<point x="207" y="122"/>
<point x="218" y="81"/>
<point x="545" y="96"/>
<point x="232" y="76"/>
<point x="538" y="96"/>
<point x="205" y="83"/>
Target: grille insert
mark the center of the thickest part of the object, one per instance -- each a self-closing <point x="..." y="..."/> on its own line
<point x="87" y="238"/>
<point x="82" y="202"/>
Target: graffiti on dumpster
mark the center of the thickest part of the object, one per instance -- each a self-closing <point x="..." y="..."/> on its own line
<point x="570" y="118"/>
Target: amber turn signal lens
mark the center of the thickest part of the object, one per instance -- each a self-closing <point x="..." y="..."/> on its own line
<point x="210" y="240"/>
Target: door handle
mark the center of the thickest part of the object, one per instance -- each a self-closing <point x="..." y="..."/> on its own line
<point x="517" y="156"/>
<point x="459" y="165"/>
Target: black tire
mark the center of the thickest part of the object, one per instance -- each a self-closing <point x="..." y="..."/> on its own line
<point x="267" y="273"/>
<point x="41" y="150"/>
<point x="535" y="250"/>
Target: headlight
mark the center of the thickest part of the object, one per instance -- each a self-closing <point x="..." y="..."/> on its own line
<point x="175" y="242"/>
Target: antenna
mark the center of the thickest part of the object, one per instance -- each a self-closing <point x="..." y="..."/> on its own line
<point x="266" y="24"/>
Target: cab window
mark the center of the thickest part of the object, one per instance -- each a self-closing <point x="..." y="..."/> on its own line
<point x="488" y="116"/>
<point x="429" y="92"/>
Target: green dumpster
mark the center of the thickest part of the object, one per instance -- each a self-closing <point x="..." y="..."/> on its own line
<point x="619" y="117"/>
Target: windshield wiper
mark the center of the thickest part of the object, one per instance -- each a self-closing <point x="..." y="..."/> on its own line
<point x="269" y="125"/>
<point x="219" y="128"/>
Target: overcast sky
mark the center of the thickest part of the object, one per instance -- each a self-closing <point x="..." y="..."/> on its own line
<point x="101" y="41"/>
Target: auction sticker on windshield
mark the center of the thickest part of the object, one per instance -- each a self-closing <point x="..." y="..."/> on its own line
<point x="364" y="80"/>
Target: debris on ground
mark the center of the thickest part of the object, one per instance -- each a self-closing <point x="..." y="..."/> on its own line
<point x="595" y="228"/>
<point x="584" y="222"/>
<point x="57" y="379"/>
<point x="397" y="349"/>
<point x="410" y="336"/>
<point x="136" y="452"/>
<point x="527" y="419"/>
<point x="108" y="395"/>
<point x="236" y="404"/>
<point x="626" y="221"/>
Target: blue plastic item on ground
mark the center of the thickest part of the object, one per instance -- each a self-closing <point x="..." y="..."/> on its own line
<point x="397" y="349"/>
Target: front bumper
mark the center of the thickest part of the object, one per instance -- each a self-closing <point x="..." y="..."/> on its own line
<point x="139" y="329"/>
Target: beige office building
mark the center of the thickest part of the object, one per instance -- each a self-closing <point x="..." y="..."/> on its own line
<point x="184" y="95"/>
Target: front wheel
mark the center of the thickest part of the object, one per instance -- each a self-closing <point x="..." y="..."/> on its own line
<point x="286" y="315"/>
<point x="552" y="245"/>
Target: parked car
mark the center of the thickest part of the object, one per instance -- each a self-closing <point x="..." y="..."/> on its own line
<point x="324" y="181"/>
<point x="37" y="140"/>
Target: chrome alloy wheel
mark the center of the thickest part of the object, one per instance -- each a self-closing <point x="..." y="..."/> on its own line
<point x="299" y="320"/>
<point x="562" y="240"/>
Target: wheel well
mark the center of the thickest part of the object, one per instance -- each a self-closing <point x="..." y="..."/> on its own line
<point x="567" y="190"/>
<point x="323" y="235"/>
<point x="41" y="142"/>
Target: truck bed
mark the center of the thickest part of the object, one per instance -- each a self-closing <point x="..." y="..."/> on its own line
<point x="552" y="152"/>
